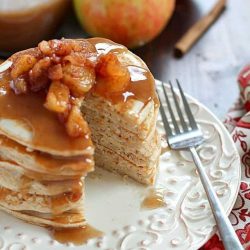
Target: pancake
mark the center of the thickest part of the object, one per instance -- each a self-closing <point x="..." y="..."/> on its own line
<point x="65" y="220"/>
<point x="55" y="205"/>
<point x="44" y="163"/>
<point x="16" y="178"/>
<point x="18" y="130"/>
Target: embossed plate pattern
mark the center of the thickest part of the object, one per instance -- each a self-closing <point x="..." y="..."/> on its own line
<point x="113" y="204"/>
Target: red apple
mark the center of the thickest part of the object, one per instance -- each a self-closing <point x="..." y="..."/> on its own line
<point x="129" y="22"/>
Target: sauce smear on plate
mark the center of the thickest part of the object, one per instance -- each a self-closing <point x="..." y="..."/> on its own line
<point x="77" y="236"/>
<point x="154" y="199"/>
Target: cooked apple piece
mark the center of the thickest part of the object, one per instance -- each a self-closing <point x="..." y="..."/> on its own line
<point x="19" y="85"/>
<point x="57" y="47"/>
<point x="78" y="47"/>
<point x="82" y="46"/>
<point x="55" y="72"/>
<point x="22" y="64"/>
<point x="112" y="73"/>
<point x="60" y="47"/>
<point x="57" y="99"/>
<point x="39" y="74"/>
<point x="76" y="126"/>
<point x="45" y="48"/>
<point x="78" y="79"/>
<point x="65" y="71"/>
<point x="76" y="59"/>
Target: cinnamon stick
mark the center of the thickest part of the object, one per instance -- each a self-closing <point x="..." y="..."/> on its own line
<point x="198" y="29"/>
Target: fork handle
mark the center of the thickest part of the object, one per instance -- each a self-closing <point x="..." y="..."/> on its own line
<point x="227" y="233"/>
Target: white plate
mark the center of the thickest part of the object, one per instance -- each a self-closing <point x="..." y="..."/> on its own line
<point x="113" y="204"/>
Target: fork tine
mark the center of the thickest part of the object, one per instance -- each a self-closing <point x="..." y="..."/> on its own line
<point x="187" y="108"/>
<point x="183" y="123"/>
<point x="177" y="130"/>
<point x="164" y="118"/>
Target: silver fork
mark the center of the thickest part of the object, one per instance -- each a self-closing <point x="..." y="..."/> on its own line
<point x="188" y="136"/>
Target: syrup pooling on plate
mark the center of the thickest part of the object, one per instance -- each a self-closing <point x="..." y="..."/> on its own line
<point x="154" y="199"/>
<point x="77" y="236"/>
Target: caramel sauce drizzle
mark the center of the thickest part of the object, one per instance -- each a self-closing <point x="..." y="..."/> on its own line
<point x="25" y="184"/>
<point x="48" y="133"/>
<point x="50" y="163"/>
<point x="3" y="193"/>
<point x="68" y="197"/>
<point x="142" y="83"/>
<point x="77" y="236"/>
<point x="56" y="202"/>
<point x="49" y="177"/>
<point x="68" y="217"/>
<point x="154" y="199"/>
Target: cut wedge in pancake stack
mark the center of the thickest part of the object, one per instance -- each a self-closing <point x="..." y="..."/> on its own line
<point x="121" y="111"/>
<point x="51" y="97"/>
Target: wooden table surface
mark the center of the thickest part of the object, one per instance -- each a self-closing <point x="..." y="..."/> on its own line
<point x="209" y="70"/>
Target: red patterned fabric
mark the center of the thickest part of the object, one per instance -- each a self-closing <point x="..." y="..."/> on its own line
<point x="238" y="124"/>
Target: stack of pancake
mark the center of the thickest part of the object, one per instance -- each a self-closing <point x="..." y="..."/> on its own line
<point x="42" y="167"/>
<point x="124" y="132"/>
<point x="39" y="187"/>
<point x="125" y="142"/>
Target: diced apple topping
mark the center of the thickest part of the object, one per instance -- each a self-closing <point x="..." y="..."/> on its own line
<point x="112" y="74"/>
<point x="22" y="64"/>
<point x="58" y="97"/>
<point x="66" y="70"/>
<point x="55" y="72"/>
<point x="44" y="47"/>
<point x="76" y="126"/>
<point x="19" y="85"/>
<point x="56" y="47"/>
<point x="79" y="79"/>
<point x="75" y="59"/>
<point x="38" y="75"/>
